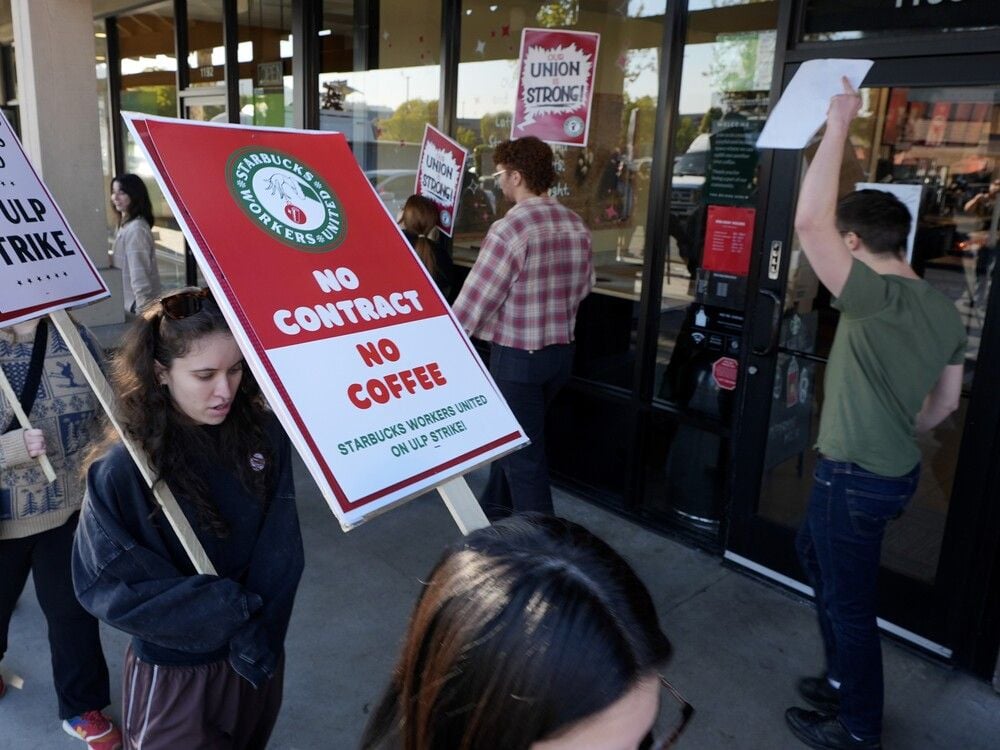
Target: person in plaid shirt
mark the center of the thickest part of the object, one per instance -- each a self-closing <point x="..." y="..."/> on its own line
<point x="522" y="295"/>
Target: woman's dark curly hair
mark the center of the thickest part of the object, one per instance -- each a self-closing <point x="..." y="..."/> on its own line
<point x="532" y="158"/>
<point x="176" y="446"/>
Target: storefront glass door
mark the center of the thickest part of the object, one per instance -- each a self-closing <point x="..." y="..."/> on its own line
<point x="941" y="146"/>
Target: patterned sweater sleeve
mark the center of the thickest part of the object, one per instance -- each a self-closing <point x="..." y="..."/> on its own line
<point x="13" y="451"/>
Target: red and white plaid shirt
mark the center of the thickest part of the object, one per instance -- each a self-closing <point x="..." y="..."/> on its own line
<point x="533" y="269"/>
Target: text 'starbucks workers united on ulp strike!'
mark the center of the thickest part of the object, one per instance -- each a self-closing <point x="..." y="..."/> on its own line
<point x="355" y="348"/>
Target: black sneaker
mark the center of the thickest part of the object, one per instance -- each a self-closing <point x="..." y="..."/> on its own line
<point x="819" y="693"/>
<point x="825" y="732"/>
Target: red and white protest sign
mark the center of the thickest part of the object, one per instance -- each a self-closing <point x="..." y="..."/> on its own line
<point x="353" y="345"/>
<point x="724" y="372"/>
<point x="439" y="175"/>
<point x="555" y="86"/>
<point x="43" y="267"/>
<point x="728" y="239"/>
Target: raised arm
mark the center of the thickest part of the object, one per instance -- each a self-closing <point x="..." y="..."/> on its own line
<point x="815" y="215"/>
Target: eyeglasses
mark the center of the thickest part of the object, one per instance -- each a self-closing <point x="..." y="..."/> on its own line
<point x="673" y="718"/>
<point x="184" y="303"/>
<point x="496" y="175"/>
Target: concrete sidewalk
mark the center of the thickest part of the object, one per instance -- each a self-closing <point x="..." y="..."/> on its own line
<point x="739" y="644"/>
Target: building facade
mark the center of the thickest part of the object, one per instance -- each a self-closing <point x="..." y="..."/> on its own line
<point x="701" y="351"/>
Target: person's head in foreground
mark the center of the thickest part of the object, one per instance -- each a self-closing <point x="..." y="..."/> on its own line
<point x="178" y="371"/>
<point x="531" y="634"/>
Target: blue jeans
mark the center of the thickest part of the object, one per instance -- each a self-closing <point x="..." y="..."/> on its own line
<point x="528" y="380"/>
<point x="839" y="546"/>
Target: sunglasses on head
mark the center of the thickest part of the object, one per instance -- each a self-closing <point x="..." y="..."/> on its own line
<point x="184" y="303"/>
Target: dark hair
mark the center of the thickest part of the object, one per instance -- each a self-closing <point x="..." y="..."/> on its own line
<point x="532" y="158"/>
<point x="879" y="219"/>
<point x="147" y="413"/>
<point x="523" y="629"/>
<point x="140" y="205"/>
<point x="419" y="219"/>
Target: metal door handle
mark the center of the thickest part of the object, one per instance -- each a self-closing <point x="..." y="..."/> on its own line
<point x="775" y="324"/>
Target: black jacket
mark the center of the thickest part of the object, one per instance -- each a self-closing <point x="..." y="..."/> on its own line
<point x="130" y="570"/>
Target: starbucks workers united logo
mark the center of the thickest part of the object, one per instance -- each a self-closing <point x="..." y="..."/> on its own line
<point x="286" y="199"/>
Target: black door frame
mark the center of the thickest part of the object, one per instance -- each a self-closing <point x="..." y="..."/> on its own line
<point x="961" y="611"/>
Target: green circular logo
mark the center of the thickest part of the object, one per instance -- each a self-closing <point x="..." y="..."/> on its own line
<point x="286" y="199"/>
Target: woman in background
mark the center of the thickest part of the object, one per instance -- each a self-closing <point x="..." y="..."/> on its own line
<point x="418" y="221"/>
<point x="134" y="249"/>
<point x="531" y="634"/>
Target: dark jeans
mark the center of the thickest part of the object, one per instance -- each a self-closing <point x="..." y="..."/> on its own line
<point x="839" y="546"/>
<point x="528" y="380"/>
<point x="79" y="671"/>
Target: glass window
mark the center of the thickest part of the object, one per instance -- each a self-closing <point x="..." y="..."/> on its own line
<point x="725" y="84"/>
<point x="940" y="146"/>
<point x="265" y="59"/>
<point x="206" y="54"/>
<point x="149" y="85"/>
<point x="381" y="97"/>
<point x="104" y="119"/>
<point x="606" y="182"/>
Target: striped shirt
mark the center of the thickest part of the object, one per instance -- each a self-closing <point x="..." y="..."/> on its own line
<point x="534" y="268"/>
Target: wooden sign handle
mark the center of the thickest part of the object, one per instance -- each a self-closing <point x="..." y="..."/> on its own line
<point x="102" y="389"/>
<point x="463" y="505"/>
<point x="22" y="418"/>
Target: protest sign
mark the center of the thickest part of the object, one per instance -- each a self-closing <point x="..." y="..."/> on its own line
<point x="801" y="110"/>
<point x="43" y="267"/>
<point x="357" y="352"/>
<point x="439" y="175"/>
<point x="555" y="86"/>
<point x="46" y="270"/>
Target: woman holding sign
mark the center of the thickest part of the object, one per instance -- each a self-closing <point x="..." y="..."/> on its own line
<point x="205" y="665"/>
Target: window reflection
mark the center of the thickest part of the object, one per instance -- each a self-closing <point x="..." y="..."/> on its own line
<point x="941" y="141"/>
<point x="606" y="182"/>
<point x="382" y="96"/>
<point x="264" y="56"/>
<point x="149" y="85"/>
<point x="713" y="198"/>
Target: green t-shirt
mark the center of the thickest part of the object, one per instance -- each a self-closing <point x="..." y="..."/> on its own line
<point x="894" y="338"/>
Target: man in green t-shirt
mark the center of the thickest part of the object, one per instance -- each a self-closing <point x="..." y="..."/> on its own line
<point x="895" y="369"/>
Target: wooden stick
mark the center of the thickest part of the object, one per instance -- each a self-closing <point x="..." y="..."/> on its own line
<point x="22" y="418"/>
<point x="102" y="389"/>
<point x="11" y="679"/>
<point x="463" y="505"/>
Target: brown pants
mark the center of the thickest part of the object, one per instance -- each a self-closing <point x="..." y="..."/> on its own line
<point x="207" y="707"/>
